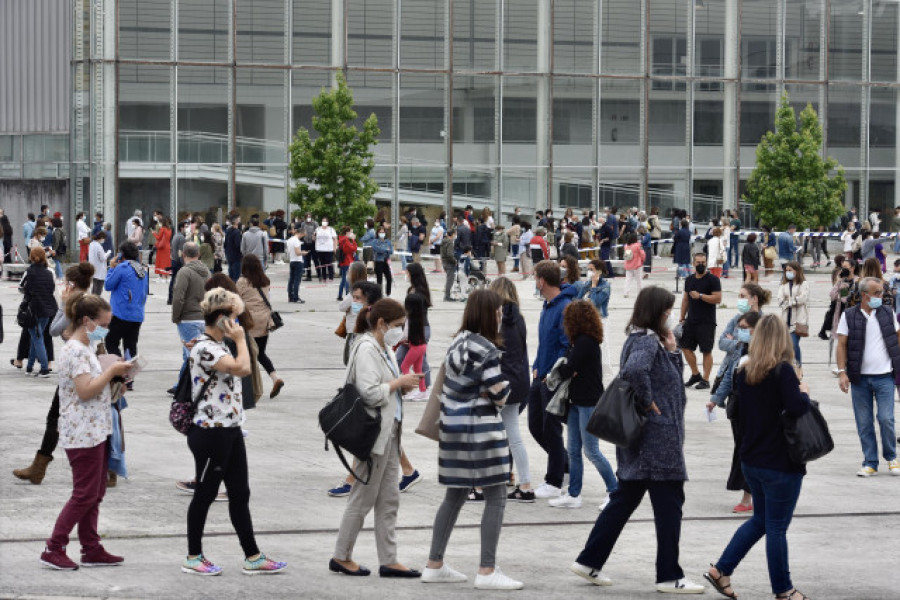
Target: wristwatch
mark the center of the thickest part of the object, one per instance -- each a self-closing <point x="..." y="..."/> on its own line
<point x="841" y="371"/>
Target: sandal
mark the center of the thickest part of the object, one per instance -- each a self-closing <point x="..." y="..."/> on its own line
<point x="715" y="582"/>
<point x="794" y="594"/>
<point x="12" y="361"/>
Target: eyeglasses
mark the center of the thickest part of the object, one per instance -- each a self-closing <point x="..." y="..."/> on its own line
<point x="877" y="294"/>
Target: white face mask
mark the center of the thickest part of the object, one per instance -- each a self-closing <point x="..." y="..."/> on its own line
<point x="324" y="223"/>
<point x="393" y="336"/>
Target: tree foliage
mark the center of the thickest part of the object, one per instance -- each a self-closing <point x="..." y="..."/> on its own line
<point x="332" y="171"/>
<point x="792" y="183"/>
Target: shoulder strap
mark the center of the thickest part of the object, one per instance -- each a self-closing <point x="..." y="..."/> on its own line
<point x="266" y="300"/>
<point x="204" y="387"/>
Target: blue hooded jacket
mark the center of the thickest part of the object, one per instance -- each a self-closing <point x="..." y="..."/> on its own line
<point x="552" y="342"/>
<point x="128" y="285"/>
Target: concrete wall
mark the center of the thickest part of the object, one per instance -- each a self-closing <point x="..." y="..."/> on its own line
<point x="18" y="198"/>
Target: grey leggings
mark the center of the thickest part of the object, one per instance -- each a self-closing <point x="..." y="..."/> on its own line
<point x="491" y="521"/>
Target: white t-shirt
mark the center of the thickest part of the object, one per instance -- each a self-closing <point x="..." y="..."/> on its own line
<point x="222" y="404"/>
<point x="325" y="238"/>
<point x="847" y="238"/>
<point x="293" y="244"/>
<point x="875" y="360"/>
<point x="83" y="230"/>
<point x="437" y="235"/>
<point x="82" y="423"/>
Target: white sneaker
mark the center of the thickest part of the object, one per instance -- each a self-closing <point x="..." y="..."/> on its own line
<point x="866" y="472"/>
<point x="443" y="575"/>
<point x="682" y="586"/>
<point x="605" y="502"/>
<point x="545" y="490"/>
<point x="592" y="575"/>
<point x="497" y="581"/>
<point x="894" y="467"/>
<point x="566" y="501"/>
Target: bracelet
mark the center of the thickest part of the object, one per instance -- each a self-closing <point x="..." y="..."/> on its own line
<point x="841" y="371"/>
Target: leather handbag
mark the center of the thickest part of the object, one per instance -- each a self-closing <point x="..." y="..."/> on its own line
<point x="801" y="329"/>
<point x="617" y="418"/>
<point x="277" y="321"/>
<point x="430" y="425"/>
<point x="341" y="330"/>
<point x="807" y="436"/>
<point x="24" y="317"/>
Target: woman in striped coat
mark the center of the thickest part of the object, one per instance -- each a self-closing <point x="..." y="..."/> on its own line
<point x="473" y="451"/>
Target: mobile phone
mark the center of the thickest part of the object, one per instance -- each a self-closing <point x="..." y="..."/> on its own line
<point x="220" y="322"/>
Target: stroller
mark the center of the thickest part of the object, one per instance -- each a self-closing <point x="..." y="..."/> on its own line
<point x="466" y="284"/>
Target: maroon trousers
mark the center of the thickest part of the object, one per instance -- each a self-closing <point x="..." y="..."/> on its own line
<point x="89" y="468"/>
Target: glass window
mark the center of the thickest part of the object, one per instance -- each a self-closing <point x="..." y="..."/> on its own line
<point x="520" y="188"/>
<point x="803" y="24"/>
<point x="259" y="118"/>
<point x="668" y="35"/>
<point x="260" y="31"/>
<point x="144" y="113"/>
<point x="709" y="39"/>
<point x="668" y="116"/>
<point x="203" y="99"/>
<point x="472" y="182"/>
<point x="520" y="33"/>
<point x="204" y="30"/>
<point x="759" y="45"/>
<point x="620" y="37"/>
<point x="144" y="194"/>
<point x="429" y="181"/>
<point x="305" y="85"/>
<point x="422" y="34"/>
<point x="845" y="51"/>
<point x="370" y="28"/>
<point x="574" y="188"/>
<point x="312" y="33"/>
<point x="373" y="93"/>
<point x="422" y="127"/>
<point x="46" y="147"/>
<point x="145" y="29"/>
<point x="844" y="118"/>
<point x="620" y="122"/>
<point x="757" y="117"/>
<point x="473" y="118"/>
<point x="573" y="121"/>
<point x="885" y="23"/>
<point x="203" y="195"/>
<point x="520" y="120"/>
<point x="883" y="127"/>
<point x="10" y="148"/>
<point x="708" y="118"/>
<point x="474" y="34"/>
<point x="573" y="36"/>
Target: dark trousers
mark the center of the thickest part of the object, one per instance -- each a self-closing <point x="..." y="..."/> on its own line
<point x="296" y="274"/>
<point x="829" y="318"/>
<point x="310" y="264"/>
<point x="176" y="266"/>
<point x="51" y="431"/>
<point x="220" y="455"/>
<point x="263" y="358"/>
<point x="217" y="265"/>
<point x="83" y="508"/>
<point x="25" y="344"/>
<point x="383" y="269"/>
<point x="125" y="331"/>
<point x="326" y="266"/>
<point x="97" y="286"/>
<point x="667" y="498"/>
<point x="546" y="429"/>
<point x="604" y="256"/>
<point x="234" y="270"/>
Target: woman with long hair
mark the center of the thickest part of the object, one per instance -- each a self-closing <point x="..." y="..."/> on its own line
<point x="38" y="287"/>
<point x="473" y="448"/>
<point x="218" y="241"/>
<point x="767" y="387"/>
<point x="382" y="250"/>
<point x="163" y="238"/>
<point x="253" y="287"/>
<point x="128" y="285"/>
<point x="793" y="298"/>
<point x="7" y="230"/>
<point x="572" y="268"/>
<point x="347" y="244"/>
<point x="421" y="303"/>
<point x="98" y="258"/>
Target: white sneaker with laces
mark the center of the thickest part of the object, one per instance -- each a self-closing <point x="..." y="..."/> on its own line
<point x="682" y="586"/>
<point x="497" y="581"/>
<point x="443" y="575"/>
<point x="894" y="467"/>
<point x="866" y="472"/>
<point x="592" y="575"/>
<point x="604" y="503"/>
<point x="566" y="501"/>
<point x="545" y="490"/>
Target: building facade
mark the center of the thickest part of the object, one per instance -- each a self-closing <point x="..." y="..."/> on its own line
<point x="190" y="105"/>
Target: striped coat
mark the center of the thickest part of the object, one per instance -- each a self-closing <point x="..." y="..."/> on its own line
<point x="473" y="450"/>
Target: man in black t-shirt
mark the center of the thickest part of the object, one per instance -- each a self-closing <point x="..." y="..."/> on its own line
<point x="702" y="294"/>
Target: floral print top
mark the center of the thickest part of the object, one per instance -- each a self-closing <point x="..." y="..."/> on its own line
<point x="82" y="423"/>
<point x="221" y="405"/>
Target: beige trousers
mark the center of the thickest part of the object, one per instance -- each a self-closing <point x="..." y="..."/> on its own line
<point x="383" y="494"/>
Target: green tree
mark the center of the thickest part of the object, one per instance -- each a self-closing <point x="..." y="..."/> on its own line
<point x="792" y="183"/>
<point x="332" y="171"/>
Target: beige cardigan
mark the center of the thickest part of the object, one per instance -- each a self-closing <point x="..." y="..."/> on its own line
<point x="256" y="306"/>
<point x="798" y="302"/>
<point x="370" y="373"/>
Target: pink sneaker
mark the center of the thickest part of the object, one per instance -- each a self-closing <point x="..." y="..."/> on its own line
<point x="742" y="508"/>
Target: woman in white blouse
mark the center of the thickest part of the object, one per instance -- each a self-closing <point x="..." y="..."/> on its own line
<point x="98" y="258"/>
<point x="326" y="240"/>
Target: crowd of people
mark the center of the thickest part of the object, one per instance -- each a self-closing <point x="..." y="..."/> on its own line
<point x="487" y="379"/>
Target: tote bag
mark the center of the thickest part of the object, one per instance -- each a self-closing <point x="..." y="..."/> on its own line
<point x="430" y="425"/>
<point x="617" y="418"/>
<point x="807" y="436"/>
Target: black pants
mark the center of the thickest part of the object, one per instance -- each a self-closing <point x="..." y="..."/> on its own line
<point x="546" y="429"/>
<point x="97" y="287"/>
<point x="217" y="265"/>
<point x="51" y="431"/>
<point x="667" y="498"/>
<point x="176" y="266"/>
<point x="310" y="264"/>
<point x="829" y="317"/>
<point x="263" y="358"/>
<point x="382" y="268"/>
<point x="326" y="266"/>
<point x="220" y="455"/>
<point x="25" y="344"/>
<point x="125" y="331"/>
<point x="736" y="479"/>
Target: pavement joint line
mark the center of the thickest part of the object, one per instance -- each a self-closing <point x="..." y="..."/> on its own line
<point x="334" y="530"/>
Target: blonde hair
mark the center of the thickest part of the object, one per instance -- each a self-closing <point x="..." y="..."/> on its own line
<point x="506" y="289"/>
<point x="769" y="347"/>
<point x="221" y="299"/>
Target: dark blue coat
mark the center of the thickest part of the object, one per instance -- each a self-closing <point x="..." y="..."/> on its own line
<point x="232" y="245"/>
<point x="514" y="361"/>
<point x="681" y="246"/>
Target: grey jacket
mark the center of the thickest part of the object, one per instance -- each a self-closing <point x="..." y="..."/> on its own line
<point x="188" y="292"/>
<point x="370" y="372"/>
<point x="254" y="242"/>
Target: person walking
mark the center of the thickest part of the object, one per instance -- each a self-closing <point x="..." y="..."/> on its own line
<point x="793" y="299"/>
<point x="296" y="258"/>
<point x="163" y="248"/>
<point x="232" y="247"/>
<point x="373" y="370"/>
<point x="767" y="387"/>
<point x="347" y="245"/>
<point x="383" y="249"/>
<point x="702" y="294"/>
<point x="417" y="316"/>
<point x="254" y="242"/>
<point x="449" y="263"/>
<point x="584" y="369"/>
<point x="652" y="365"/>
<point x="681" y="249"/>
<point x="97" y="257"/>
<point x="634" y="262"/>
<point x="128" y="284"/>
<point x="253" y="287"/>
<point x="750" y="258"/>
<point x="868" y="360"/>
<point x="218" y="242"/>
<point x="215" y="437"/>
<point x="787" y="249"/>
<point x="38" y="287"/>
<point x="500" y="244"/>
<point x="187" y="293"/>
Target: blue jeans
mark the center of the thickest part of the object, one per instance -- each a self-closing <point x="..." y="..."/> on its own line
<point x="579" y="439"/>
<point x="188" y="330"/>
<point x="294" y="277"/>
<point x="37" y="350"/>
<point x="775" y="495"/>
<point x="881" y="387"/>
<point x="344" y="285"/>
<point x="57" y="266"/>
<point x="234" y="271"/>
<point x="798" y="356"/>
<point x="897" y="245"/>
<point x="734" y="250"/>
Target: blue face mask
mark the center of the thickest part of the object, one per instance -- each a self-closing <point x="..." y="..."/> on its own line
<point x="789" y="275"/>
<point x="355" y="308"/>
<point x="743" y="305"/>
<point x="874" y="303"/>
<point x="98" y="334"/>
<point x="743" y="335"/>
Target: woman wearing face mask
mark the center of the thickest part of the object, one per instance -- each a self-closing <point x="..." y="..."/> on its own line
<point x="38" y="287"/>
<point x="383" y="249"/>
<point x="347" y="243"/>
<point x="374" y="371"/>
<point x="793" y="298"/>
<point x="325" y="238"/>
<point x="355" y="273"/>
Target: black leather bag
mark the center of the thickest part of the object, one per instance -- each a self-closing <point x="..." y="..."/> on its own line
<point x="348" y="425"/>
<point x="807" y="436"/>
<point x="617" y="418"/>
<point x="277" y="321"/>
<point x="24" y="317"/>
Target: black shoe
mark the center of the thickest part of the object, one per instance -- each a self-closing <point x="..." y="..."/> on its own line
<point x="520" y="495"/>
<point x="171" y="390"/>
<point x="702" y="385"/>
<point x="823" y="335"/>
<point x="695" y="378"/>
<point x="384" y="571"/>
<point x="336" y="567"/>
<point x="339" y="298"/>
<point x="475" y="496"/>
<point x="301" y="301"/>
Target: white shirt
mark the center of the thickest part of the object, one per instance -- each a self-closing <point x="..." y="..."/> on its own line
<point x="875" y="360"/>
<point x="847" y="238"/>
<point x="437" y="235"/>
<point x="83" y="230"/>
<point x="82" y="423"/>
<point x="293" y="244"/>
<point x="222" y="404"/>
<point x="97" y="257"/>
<point x="325" y="238"/>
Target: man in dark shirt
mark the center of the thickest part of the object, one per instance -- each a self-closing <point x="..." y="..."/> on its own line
<point x="232" y="247"/>
<point x="463" y="240"/>
<point x="702" y="294"/>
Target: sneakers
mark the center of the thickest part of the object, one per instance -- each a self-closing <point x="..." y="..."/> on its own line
<point x="604" y="503"/>
<point x="341" y="490"/>
<point x="497" y="581"/>
<point x="200" y="566"/>
<point x="187" y="487"/>
<point x="43" y="373"/>
<point x="702" y="385"/>
<point x="894" y="467"/>
<point x="262" y="566"/>
<point x="407" y="481"/>
<point x="742" y="508"/>
<point x="545" y="490"/>
<point x="695" y="378"/>
<point x="592" y="575"/>
<point x="866" y="472"/>
<point x="682" y="586"/>
<point x="57" y="559"/>
<point x="520" y="495"/>
<point x="99" y="557"/>
<point x="475" y="496"/>
<point x="443" y="575"/>
<point x="566" y="501"/>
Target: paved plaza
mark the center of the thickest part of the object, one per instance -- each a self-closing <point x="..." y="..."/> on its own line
<point x="843" y="540"/>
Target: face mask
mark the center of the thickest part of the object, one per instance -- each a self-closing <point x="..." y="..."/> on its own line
<point x="874" y="303"/>
<point x="789" y="275"/>
<point x="743" y="335"/>
<point x="355" y="307"/>
<point x="381" y="236"/>
<point x="98" y="334"/>
<point x="393" y="336"/>
<point x="743" y="305"/>
<point x="701" y="268"/>
<point x="324" y="223"/>
<point x="351" y="235"/>
<point x="308" y="220"/>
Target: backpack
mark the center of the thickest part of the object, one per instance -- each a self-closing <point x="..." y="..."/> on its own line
<point x="184" y="405"/>
<point x="339" y="253"/>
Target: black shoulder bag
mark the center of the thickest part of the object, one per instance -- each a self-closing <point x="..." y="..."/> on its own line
<point x="617" y="418"/>
<point x="277" y="321"/>
<point x="184" y="405"/>
<point x="807" y="436"/>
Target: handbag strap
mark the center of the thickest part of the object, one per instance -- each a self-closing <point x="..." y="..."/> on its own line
<point x="203" y="388"/>
<point x="266" y="300"/>
<point x="350" y="470"/>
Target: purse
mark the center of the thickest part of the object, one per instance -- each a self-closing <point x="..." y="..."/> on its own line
<point x="24" y="317"/>
<point x="341" y="330"/>
<point x="184" y="405"/>
<point x="430" y="424"/>
<point x="801" y="329"/>
<point x="277" y="321"/>
<point x="617" y="418"/>
<point x="770" y="253"/>
<point x="807" y="436"/>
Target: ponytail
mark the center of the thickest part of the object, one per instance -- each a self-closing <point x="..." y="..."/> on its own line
<point x="80" y="305"/>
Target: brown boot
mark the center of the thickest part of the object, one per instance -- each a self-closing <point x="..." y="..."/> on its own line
<point x="112" y="479"/>
<point x="36" y="470"/>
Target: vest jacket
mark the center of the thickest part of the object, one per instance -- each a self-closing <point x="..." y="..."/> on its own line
<point x="856" y="340"/>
